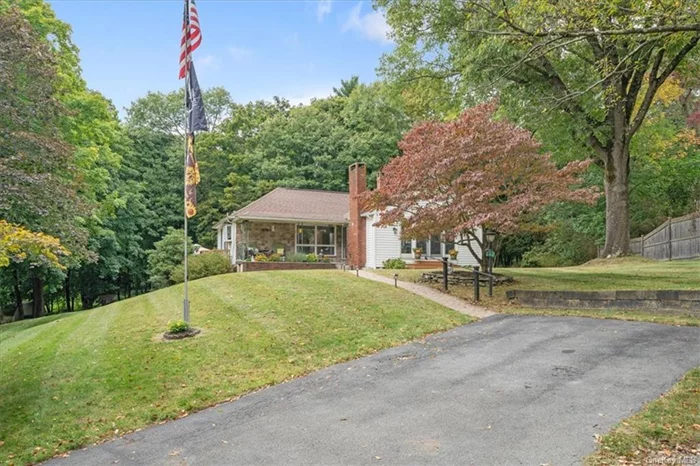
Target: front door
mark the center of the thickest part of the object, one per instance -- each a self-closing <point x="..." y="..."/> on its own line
<point x="434" y="247"/>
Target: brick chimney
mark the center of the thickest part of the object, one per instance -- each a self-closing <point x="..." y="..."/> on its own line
<point x="357" y="240"/>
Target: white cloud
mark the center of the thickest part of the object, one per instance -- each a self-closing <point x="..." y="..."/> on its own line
<point x="207" y="61"/>
<point x="305" y="96"/>
<point x="239" y="53"/>
<point x="372" y="25"/>
<point x="323" y="9"/>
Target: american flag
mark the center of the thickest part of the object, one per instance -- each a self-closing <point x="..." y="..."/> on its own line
<point x="191" y="36"/>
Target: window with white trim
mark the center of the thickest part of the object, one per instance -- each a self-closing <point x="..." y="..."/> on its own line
<point x="227" y="234"/>
<point x="316" y="239"/>
<point x="430" y="247"/>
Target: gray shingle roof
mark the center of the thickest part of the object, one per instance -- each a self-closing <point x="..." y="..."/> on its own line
<point x="298" y="204"/>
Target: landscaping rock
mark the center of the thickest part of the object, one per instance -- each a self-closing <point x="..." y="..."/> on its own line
<point x="463" y="277"/>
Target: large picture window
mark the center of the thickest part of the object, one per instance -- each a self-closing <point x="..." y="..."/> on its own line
<point x="318" y="239"/>
<point x="305" y="235"/>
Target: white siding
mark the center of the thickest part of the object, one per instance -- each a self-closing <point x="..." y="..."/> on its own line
<point x="387" y="245"/>
<point x="369" y="244"/>
<point x="465" y="258"/>
<point x="382" y="243"/>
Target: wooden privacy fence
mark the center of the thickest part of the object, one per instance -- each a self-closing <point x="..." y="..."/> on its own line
<point x="676" y="238"/>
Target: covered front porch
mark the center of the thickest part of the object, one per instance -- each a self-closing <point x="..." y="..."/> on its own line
<point x="284" y="241"/>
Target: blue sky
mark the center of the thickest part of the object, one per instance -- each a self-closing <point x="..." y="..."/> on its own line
<point x="255" y="49"/>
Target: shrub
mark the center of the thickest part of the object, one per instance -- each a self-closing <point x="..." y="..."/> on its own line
<point x="274" y="257"/>
<point x="563" y="247"/>
<point x="296" y="258"/>
<point x="202" y="266"/>
<point x="311" y="258"/>
<point x="164" y="260"/>
<point x="179" y="326"/>
<point x="394" y="264"/>
<point x="261" y="258"/>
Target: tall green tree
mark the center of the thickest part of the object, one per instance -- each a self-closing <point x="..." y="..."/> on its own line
<point x="346" y="87"/>
<point x="165" y="112"/>
<point x="594" y="67"/>
<point x="39" y="189"/>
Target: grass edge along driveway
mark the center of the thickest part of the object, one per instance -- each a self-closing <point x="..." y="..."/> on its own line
<point x="665" y="431"/>
<point x="628" y="273"/>
<point x="76" y="379"/>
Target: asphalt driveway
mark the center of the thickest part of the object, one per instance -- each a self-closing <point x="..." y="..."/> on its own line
<point x="508" y="390"/>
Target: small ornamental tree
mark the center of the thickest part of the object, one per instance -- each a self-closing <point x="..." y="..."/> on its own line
<point x="17" y="244"/>
<point x="473" y="172"/>
<point x="20" y="246"/>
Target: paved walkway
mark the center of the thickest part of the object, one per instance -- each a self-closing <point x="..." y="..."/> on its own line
<point x="446" y="300"/>
<point x="504" y="391"/>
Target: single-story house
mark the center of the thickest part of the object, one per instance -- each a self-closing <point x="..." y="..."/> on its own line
<point x="331" y="224"/>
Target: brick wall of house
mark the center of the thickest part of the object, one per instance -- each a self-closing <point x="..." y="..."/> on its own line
<point x="357" y="240"/>
<point x="266" y="266"/>
<point x="268" y="236"/>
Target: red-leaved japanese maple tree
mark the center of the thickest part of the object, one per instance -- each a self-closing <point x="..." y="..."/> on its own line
<point x="474" y="172"/>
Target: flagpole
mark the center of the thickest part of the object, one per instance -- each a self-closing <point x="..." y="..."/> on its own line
<point x="186" y="301"/>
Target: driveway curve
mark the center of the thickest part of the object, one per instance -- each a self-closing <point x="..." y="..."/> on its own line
<point x="508" y="390"/>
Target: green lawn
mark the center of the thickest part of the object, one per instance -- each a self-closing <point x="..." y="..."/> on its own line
<point x="74" y="379"/>
<point x="630" y="273"/>
<point x="665" y="431"/>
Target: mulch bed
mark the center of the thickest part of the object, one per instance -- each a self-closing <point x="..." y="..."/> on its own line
<point x="179" y="336"/>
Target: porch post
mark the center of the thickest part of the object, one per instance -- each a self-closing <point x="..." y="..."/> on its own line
<point x="234" y="241"/>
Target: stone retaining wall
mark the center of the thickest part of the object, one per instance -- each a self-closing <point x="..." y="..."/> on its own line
<point x="463" y="277"/>
<point x="666" y="301"/>
<point x="262" y="266"/>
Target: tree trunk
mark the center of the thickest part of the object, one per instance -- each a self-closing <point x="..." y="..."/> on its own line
<point x="19" y="311"/>
<point x="470" y="236"/>
<point x="617" y="201"/>
<point x="87" y="301"/>
<point x="66" y="288"/>
<point x="38" y="295"/>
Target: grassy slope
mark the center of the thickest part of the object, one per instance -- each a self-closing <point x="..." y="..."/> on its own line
<point x="71" y="380"/>
<point x="666" y="429"/>
<point x="630" y="273"/>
